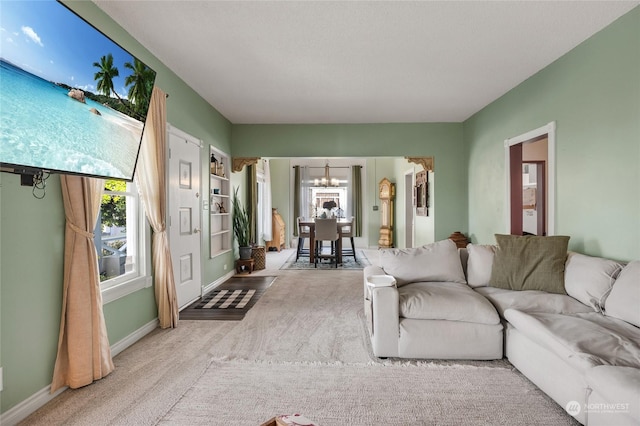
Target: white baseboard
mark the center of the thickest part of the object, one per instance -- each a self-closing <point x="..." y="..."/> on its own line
<point x="27" y="407"/>
<point x="22" y="410"/>
<point x="217" y="282"/>
<point x="132" y="338"/>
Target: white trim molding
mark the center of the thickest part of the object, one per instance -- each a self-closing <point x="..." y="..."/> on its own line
<point x="548" y="129"/>
<point x="183" y="135"/>
<point x="25" y="408"/>
<point x="115" y="292"/>
<point x="132" y="338"/>
<point x="217" y="282"/>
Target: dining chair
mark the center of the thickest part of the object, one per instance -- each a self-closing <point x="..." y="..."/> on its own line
<point x="347" y="231"/>
<point x="303" y="232"/>
<point x="326" y="230"/>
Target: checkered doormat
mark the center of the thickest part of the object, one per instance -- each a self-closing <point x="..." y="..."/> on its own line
<point x="230" y="301"/>
<point x="226" y="299"/>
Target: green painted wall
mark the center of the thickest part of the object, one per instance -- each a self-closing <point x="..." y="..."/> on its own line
<point x="32" y="243"/>
<point x="443" y="141"/>
<point x="31" y="268"/>
<point x="593" y="94"/>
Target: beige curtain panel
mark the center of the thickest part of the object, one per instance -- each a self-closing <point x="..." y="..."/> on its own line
<point x="84" y="354"/>
<point x="152" y="186"/>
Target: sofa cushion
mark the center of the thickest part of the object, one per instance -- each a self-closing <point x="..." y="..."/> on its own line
<point x="439" y="261"/>
<point x="589" y="279"/>
<point x="532" y="301"/>
<point x="620" y="385"/>
<point x="582" y="340"/>
<point x="445" y="301"/>
<point x="530" y="263"/>
<point x="624" y="300"/>
<point x="479" y="264"/>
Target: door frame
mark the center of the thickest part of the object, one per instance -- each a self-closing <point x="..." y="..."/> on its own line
<point x="548" y="130"/>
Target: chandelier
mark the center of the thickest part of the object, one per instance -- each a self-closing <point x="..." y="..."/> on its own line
<point x="326" y="180"/>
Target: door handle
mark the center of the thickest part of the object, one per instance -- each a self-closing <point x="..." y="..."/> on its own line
<point x="196" y="230"/>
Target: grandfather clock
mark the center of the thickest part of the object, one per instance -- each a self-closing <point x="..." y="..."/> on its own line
<point x="387" y="193"/>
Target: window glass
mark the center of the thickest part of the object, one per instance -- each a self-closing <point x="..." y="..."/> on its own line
<point x="329" y="202"/>
<point x="117" y="233"/>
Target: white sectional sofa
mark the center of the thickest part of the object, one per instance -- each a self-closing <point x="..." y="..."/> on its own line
<point x="579" y="341"/>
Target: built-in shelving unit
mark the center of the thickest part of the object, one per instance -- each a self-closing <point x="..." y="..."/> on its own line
<point x="219" y="203"/>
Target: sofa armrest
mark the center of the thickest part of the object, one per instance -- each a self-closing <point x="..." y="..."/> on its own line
<point x="385" y="321"/>
<point x="366" y="273"/>
<point x="377" y="281"/>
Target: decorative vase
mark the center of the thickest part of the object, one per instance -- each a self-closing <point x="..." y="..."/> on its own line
<point x="245" y="253"/>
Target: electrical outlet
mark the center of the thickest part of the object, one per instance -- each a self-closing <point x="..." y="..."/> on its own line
<point x="225" y="267"/>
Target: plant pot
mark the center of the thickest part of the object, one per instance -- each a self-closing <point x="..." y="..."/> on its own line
<point x="245" y="253"/>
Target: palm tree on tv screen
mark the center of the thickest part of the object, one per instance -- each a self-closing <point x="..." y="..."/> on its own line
<point x="105" y="76"/>
<point x="141" y="85"/>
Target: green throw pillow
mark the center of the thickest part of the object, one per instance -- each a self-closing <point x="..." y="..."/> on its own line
<point x="530" y="263"/>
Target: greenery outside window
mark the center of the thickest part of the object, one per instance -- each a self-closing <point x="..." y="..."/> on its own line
<point x="121" y="240"/>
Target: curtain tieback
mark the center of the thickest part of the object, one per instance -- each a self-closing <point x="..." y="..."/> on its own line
<point x="161" y="230"/>
<point x="78" y="230"/>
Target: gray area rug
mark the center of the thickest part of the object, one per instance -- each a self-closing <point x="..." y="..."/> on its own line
<point x="242" y="393"/>
<point x="303" y="348"/>
<point x="348" y="262"/>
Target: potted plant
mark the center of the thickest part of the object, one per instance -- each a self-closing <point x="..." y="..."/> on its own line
<point x="241" y="227"/>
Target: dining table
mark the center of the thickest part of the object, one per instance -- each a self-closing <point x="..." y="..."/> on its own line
<point x="311" y="224"/>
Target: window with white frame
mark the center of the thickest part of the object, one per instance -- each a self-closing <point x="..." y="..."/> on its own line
<point x="120" y="238"/>
<point x="334" y="198"/>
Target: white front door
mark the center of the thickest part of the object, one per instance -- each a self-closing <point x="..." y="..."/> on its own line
<point x="185" y="197"/>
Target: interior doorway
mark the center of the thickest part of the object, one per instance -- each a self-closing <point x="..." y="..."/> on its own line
<point x="530" y="173"/>
<point x="409" y="208"/>
<point x="534" y="197"/>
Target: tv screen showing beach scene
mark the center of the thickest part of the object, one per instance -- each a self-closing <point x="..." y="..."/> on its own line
<point x="71" y="100"/>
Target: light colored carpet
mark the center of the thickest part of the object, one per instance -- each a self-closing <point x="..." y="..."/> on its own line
<point x="303" y="349"/>
<point x="242" y="393"/>
<point x="303" y="316"/>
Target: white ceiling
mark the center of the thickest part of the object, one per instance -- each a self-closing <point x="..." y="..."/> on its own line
<point x="358" y="61"/>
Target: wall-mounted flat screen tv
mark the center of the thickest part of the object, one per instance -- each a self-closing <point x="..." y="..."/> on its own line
<point x="71" y="100"/>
